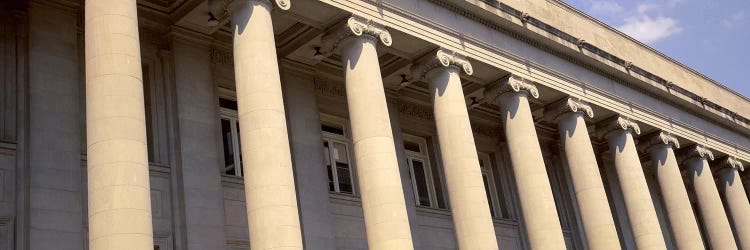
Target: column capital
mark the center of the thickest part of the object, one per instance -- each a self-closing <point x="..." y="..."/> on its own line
<point x="511" y="84"/>
<point x="617" y="123"/>
<point x="440" y="58"/>
<point x="222" y="7"/>
<point x="696" y="151"/>
<point x="354" y="26"/>
<point x="661" y="138"/>
<point x="554" y="111"/>
<point x="729" y="162"/>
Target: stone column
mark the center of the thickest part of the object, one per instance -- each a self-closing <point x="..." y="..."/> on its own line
<point x="714" y="217"/>
<point x="273" y="219"/>
<point x="383" y="204"/>
<point x="679" y="210"/>
<point x="598" y="225"/>
<point x="118" y="177"/>
<point x="640" y="209"/>
<point x="538" y="211"/>
<point x="469" y="205"/>
<point x="736" y="199"/>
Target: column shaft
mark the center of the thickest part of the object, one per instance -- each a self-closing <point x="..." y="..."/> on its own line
<point x="383" y="204"/>
<point x="737" y="204"/>
<point x="714" y="217"/>
<point x="679" y="210"/>
<point x="469" y="205"/>
<point x="598" y="225"/>
<point x="538" y="210"/>
<point x="640" y="209"/>
<point x="273" y="219"/>
<point x="117" y="162"/>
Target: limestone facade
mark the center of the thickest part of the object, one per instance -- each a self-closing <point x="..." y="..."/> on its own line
<point x="339" y="124"/>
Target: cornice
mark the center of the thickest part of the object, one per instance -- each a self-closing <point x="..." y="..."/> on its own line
<point x="440" y="58"/>
<point x="354" y="26"/>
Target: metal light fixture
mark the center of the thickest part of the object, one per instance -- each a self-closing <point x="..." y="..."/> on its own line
<point x="212" y="21"/>
<point x="404" y="82"/>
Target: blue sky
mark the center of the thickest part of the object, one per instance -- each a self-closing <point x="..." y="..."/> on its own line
<point x="710" y="36"/>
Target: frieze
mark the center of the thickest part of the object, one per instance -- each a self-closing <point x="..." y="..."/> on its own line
<point x="417" y="111"/>
<point x="220" y="56"/>
<point x="330" y="89"/>
<point x="486" y="130"/>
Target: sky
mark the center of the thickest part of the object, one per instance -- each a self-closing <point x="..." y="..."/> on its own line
<point x="710" y="36"/>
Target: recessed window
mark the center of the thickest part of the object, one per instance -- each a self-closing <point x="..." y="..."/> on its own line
<point x="337" y="153"/>
<point x="497" y="208"/>
<point x="230" y="136"/>
<point x="421" y="173"/>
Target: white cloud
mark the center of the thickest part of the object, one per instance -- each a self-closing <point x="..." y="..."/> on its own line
<point x="734" y="20"/>
<point x="650" y="29"/>
<point x="605" y="6"/>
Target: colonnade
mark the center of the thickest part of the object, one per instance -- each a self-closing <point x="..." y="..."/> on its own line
<point x="118" y="185"/>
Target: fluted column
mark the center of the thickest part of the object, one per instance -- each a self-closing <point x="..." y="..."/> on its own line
<point x="679" y="210"/>
<point x="596" y="216"/>
<point x="383" y="204"/>
<point x="539" y="214"/>
<point x="738" y="206"/>
<point x="714" y="218"/>
<point x="469" y="205"/>
<point x="273" y="219"/>
<point x="640" y="209"/>
<point x="117" y="162"/>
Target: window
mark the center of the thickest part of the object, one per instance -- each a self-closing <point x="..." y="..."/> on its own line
<point x="421" y="173"/>
<point x="337" y="156"/>
<point x="230" y="137"/>
<point x="489" y="183"/>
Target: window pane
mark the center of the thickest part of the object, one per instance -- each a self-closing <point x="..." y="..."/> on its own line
<point x="420" y="179"/>
<point x="412" y="146"/>
<point x="227" y="104"/>
<point x="343" y="171"/>
<point x="239" y="147"/>
<point x="226" y="137"/>
<point x="327" y="153"/>
<point x="332" y="128"/>
<point x="489" y="194"/>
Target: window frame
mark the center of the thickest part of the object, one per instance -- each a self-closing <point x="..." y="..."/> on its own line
<point x="424" y="157"/>
<point x="234" y="122"/>
<point x="344" y="139"/>
<point x="486" y="170"/>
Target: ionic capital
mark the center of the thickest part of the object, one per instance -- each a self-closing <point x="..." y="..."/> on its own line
<point x="219" y="7"/>
<point x="511" y="84"/>
<point x="440" y="58"/>
<point x="730" y="162"/>
<point x="353" y="26"/>
<point x="568" y="105"/>
<point x="618" y="123"/>
<point x="661" y="138"/>
<point x="696" y="151"/>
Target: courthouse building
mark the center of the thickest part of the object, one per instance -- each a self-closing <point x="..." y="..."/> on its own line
<point x="357" y="124"/>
